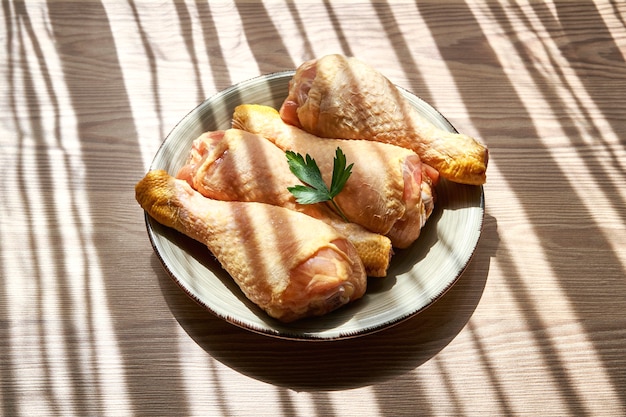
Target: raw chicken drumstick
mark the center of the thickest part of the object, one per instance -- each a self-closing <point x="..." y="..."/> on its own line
<point x="306" y="269"/>
<point x="235" y="165"/>
<point x="340" y="97"/>
<point x="386" y="192"/>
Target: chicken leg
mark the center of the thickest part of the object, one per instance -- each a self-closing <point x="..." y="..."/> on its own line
<point x="307" y="268"/>
<point x="235" y="165"/>
<point x="340" y="97"/>
<point x="387" y="192"/>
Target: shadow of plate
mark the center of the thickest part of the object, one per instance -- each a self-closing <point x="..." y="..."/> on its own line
<point x="338" y="364"/>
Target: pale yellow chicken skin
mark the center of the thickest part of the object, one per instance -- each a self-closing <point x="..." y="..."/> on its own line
<point x="387" y="192"/>
<point x="235" y="165"/>
<point x="340" y="97"/>
<point x="289" y="264"/>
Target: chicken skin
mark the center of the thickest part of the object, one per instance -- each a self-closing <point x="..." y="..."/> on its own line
<point x="235" y="165"/>
<point x="289" y="264"/>
<point x="387" y="192"/>
<point x="340" y="97"/>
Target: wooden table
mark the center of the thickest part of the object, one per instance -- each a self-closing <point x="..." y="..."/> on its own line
<point x="91" y="324"/>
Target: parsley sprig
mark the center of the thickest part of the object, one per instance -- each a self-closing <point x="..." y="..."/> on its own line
<point x="315" y="189"/>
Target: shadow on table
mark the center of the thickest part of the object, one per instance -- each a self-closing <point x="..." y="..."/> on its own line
<point x="341" y="364"/>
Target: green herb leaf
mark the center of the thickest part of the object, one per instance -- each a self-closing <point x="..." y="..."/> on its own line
<point x="315" y="189"/>
<point x="307" y="195"/>
<point x="340" y="173"/>
<point x="307" y="170"/>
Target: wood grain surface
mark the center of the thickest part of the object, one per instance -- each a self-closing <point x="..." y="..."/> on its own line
<point x="91" y="324"/>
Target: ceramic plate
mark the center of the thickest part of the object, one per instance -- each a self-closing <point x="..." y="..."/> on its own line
<point x="417" y="277"/>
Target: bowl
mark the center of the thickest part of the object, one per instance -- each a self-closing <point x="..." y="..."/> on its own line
<point x="417" y="276"/>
